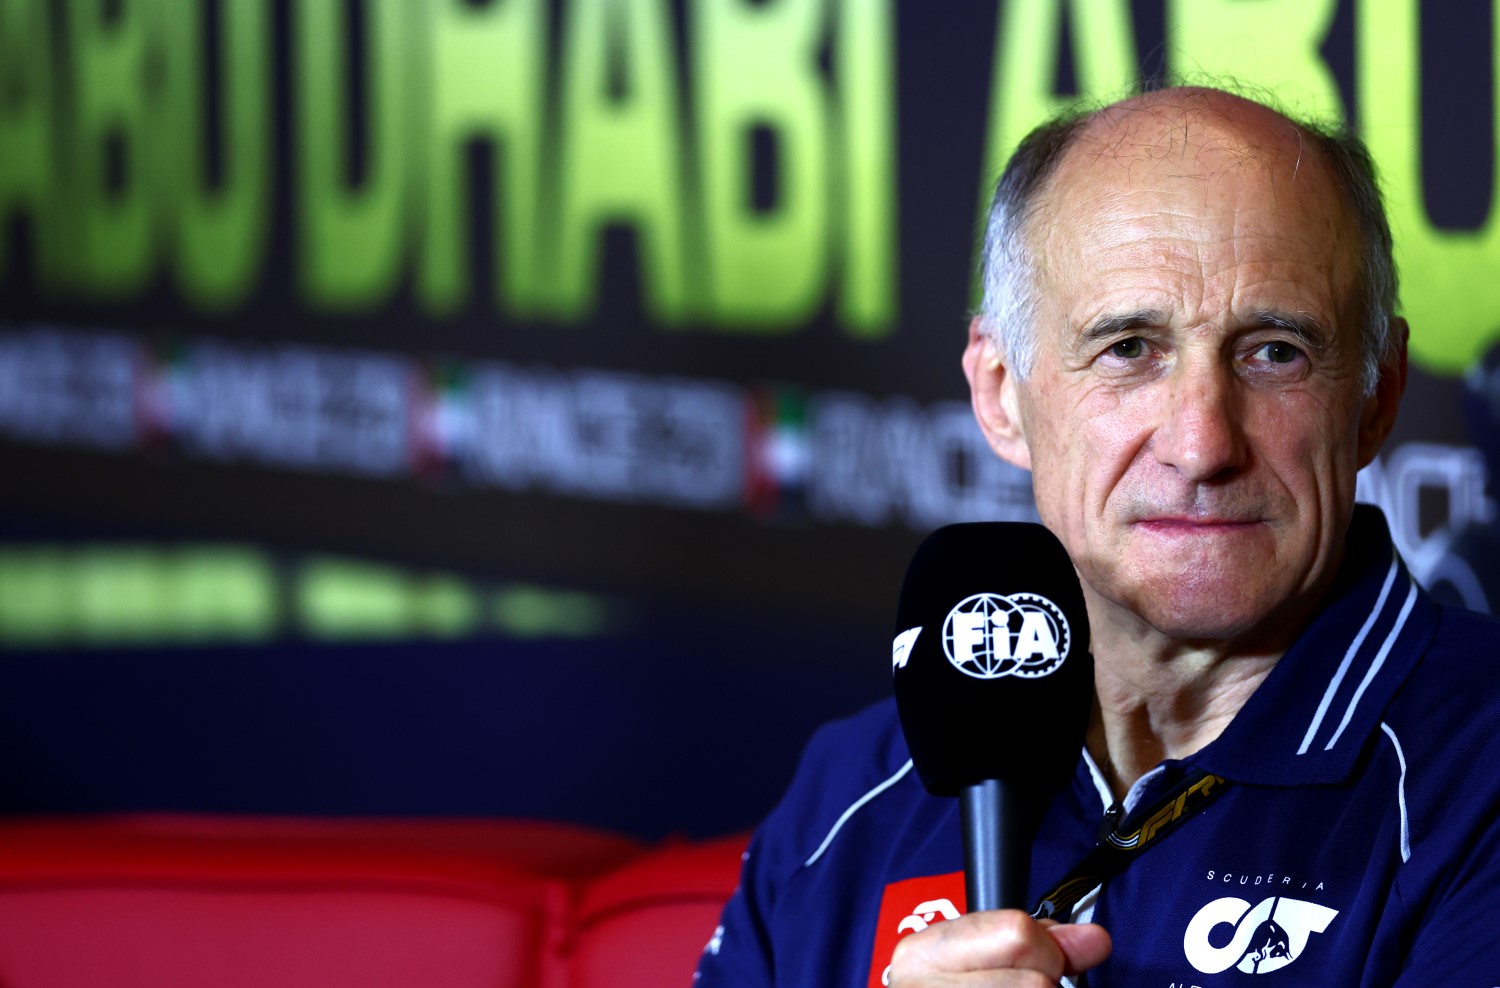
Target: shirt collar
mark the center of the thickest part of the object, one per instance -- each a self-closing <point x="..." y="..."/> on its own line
<point x="1307" y="723"/>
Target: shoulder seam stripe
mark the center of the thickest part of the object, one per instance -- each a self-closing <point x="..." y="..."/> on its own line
<point x="1400" y="793"/>
<point x="1343" y="669"/>
<point x="854" y="808"/>
<point x="1385" y="649"/>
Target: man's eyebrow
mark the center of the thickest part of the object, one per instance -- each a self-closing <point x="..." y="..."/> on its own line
<point x="1306" y="328"/>
<point x="1108" y="327"/>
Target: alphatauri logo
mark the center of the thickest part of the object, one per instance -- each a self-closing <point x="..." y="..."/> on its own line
<point x="990" y="635"/>
<point x="1267" y="937"/>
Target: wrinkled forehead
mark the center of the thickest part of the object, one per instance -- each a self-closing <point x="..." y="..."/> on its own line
<point x="1212" y="157"/>
<point x="1206" y="142"/>
<point x="1192" y="134"/>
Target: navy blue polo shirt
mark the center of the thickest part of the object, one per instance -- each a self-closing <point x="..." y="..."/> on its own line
<point x="1357" y="843"/>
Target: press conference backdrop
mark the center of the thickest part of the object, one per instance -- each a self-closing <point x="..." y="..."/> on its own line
<point x="509" y="349"/>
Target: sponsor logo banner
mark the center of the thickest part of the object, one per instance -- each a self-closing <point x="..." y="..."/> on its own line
<point x="908" y="907"/>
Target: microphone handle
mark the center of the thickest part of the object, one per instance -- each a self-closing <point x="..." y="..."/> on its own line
<point x="997" y="854"/>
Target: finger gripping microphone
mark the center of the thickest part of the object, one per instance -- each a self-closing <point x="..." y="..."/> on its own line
<point x="994" y="685"/>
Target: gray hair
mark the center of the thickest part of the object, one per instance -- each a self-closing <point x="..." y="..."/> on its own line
<point x="1010" y="308"/>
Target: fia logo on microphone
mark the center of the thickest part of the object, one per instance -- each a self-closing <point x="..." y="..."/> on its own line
<point x="990" y="635"/>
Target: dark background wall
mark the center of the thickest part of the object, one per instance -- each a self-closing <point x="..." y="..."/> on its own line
<point x="528" y="408"/>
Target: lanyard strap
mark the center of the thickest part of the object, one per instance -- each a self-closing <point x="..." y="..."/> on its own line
<point x="1116" y="850"/>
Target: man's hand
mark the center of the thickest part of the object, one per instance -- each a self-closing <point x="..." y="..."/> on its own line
<point x="1002" y="948"/>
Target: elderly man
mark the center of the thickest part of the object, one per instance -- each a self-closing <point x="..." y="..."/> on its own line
<point x="1188" y="337"/>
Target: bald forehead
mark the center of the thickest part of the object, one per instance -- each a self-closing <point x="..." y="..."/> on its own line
<point x="1195" y="152"/>
<point x="1193" y="136"/>
<point x="1205" y="197"/>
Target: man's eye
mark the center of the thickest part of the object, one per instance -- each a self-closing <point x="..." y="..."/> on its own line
<point x="1278" y="352"/>
<point x="1128" y="349"/>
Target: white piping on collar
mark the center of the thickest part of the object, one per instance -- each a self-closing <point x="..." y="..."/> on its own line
<point x="1338" y="676"/>
<point x="854" y="808"/>
<point x="1385" y="649"/>
<point x="1400" y="793"/>
<point x="1107" y="795"/>
<point x="1101" y="784"/>
<point x="1083" y="910"/>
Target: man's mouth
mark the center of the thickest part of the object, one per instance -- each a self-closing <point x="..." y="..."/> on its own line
<point x="1198" y="524"/>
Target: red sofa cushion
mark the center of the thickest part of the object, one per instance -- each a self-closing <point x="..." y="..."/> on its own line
<point x="172" y="902"/>
<point x="235" y="902"/>
<point x="644" y="924"/>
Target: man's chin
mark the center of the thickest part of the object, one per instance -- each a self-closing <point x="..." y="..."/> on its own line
<point x="1189" y="628"/>
<point x="1198" y="613"/>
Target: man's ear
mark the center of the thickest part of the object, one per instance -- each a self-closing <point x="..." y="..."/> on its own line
<point x="1379" y="413"/>
<point x="992" y="388"/>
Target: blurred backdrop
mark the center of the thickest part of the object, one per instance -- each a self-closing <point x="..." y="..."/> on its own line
<point x="527" y="407"/>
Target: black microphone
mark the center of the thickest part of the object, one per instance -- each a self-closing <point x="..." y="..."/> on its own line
<point x="994" y="685"/>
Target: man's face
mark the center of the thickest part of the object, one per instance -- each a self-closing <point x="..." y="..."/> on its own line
<point x="1194" y="421"/>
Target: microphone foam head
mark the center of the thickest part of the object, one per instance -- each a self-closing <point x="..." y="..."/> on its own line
<point x="991" y="658"/>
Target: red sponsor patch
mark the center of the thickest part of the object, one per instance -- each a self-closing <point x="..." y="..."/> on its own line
<point x="909" y="906"/>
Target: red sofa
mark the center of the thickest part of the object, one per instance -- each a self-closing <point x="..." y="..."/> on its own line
<point x="233" y="902"/>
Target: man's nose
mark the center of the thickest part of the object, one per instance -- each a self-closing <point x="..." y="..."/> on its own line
<point x="1200" y="433"/>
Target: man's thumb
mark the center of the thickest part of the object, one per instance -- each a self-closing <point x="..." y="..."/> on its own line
<point x="1083" y="945"/>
